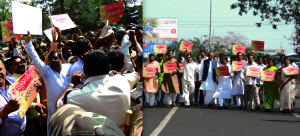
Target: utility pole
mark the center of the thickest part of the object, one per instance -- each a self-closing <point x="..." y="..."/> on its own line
<point x="210" y="26"/>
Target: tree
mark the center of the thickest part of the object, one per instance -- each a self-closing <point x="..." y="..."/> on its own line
<point x="273" y="10"/>
<point x="218" y="48"/>
<point x="231" y="38"/>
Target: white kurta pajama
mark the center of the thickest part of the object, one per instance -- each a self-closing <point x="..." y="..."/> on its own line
<point x="188" y="84"/>
<point x="224" y="88"/>
<point x="209" y="86"/>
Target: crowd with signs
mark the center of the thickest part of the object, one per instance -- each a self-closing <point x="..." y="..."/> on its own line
<point x="213" y="80"/>
<point x="93" y="79"/>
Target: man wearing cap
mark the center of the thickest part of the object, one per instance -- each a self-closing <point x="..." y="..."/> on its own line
<point x="83" y="123"/>
<point x="101" y="94"/>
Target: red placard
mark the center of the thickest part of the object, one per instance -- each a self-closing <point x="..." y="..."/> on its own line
<point x="268" y="76"/>
<point x="186" y="45"/>
<point x="257" y="45"/>
<point x="238" y="48"/>
<point x="149" y="72"/>
<point x="222" y="71"/>
<point x="291" y="71"/>
<point x="253" y="71"/>
<point x="170" y="67"/>
<point x="238" y="65"/>
<point x="181" y="68"/>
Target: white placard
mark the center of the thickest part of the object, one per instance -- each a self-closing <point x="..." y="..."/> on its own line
<point x="26" y="18"/>
<point x="62" y="21"/>
<point x="48" y="33"/>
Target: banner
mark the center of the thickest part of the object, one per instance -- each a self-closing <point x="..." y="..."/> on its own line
<point x="222" y="71"/>
<point x="268" y="76"/>
<point x="160" y="48"/>
<point x="181" y="68"/>
<point x="26" y="18"/>
<point x="272" y="51"/>
<point x="112" y="12"/>
<point x="160" y="29"/>
<point x="7" y="31"/>
<point x="149" y="72"/>
<point x="150" y="48"/>
<point x="186" y="45"/>
<point x="62" y="21"/>
<point x="257" y="45"/>
<point x="291" y="71"/>
<point x="170" y="67"/>
<point x="238" y="65"/>
<point x="238" y="48"/>
<point x="24" y="88"/>
<point x="253" y="72"/>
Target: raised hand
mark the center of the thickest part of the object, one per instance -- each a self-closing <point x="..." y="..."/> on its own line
<point x="40" y="108"/>
<point x="15" y="41"/>
<point x="27" y="37"/>
<point x="77" y="78"/>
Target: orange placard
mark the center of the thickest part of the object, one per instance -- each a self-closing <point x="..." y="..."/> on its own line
<point x="112" y="12"/>
<point x="149" y="72"/>
<point x="160" y="49"/>
<point x="253" y="72"/>
<point x="291" y="71"/>
<point x="7" y="31"/>
<point x="185" y="45"/>
<point x="268" y="76"/>
<point x="24" y="88"/>
<point x="238" y="65"/>
<point x="222" y="71"/>
<point x="238" y="48"/>
<point x="181" y="68"/>
<point x="257" y="45"/>
<point x="170" y="67"/>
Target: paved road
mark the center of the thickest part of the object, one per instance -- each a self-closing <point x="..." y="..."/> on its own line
<point x="202" y="121"/>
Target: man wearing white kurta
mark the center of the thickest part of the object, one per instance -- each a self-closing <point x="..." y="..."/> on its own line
<point x="238" y="85"/>
<point x="250" y="85"/>
<point x="208" y="78"/>
<point x="188" y="85"/>
<point x="223" y="91"/>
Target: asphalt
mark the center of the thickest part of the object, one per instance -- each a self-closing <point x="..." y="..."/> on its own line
<point x="195" y="121"/>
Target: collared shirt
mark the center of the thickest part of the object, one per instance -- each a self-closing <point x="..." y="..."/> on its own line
<point x="198" y="68"/>
<point x="78" y="66"/>
<point x="205" y="58"/>
<point x="258" y="80"/>
<point x="12" y="125"/>
<point x="104" y="95"/>
<point x="190" y="69"/>
<point x="132" y="77"/>
<point x="125" y="50"/>
<point x="249" y="80"/>
<point x="55" y="82"/>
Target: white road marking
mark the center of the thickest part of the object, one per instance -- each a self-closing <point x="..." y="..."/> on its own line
<point x="296" y="115"/>
<point x="164" y="122"/>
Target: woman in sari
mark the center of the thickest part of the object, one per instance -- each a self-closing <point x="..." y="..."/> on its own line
<point x="270" y="88"/>
<point x="286" y="94"/>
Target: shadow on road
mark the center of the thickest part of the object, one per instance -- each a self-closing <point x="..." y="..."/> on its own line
<point x="289" y="121"/>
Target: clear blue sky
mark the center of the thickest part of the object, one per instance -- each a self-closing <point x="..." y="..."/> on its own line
<point x="193" y="20"/>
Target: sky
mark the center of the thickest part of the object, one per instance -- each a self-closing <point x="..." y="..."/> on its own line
<point x="193" y="21"/>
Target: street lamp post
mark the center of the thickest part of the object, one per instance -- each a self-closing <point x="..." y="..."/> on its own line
<point x="210" y="26"/>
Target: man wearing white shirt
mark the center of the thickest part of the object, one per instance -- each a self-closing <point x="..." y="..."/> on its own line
<point x="55" y="75"/>
<point x="101" y="94"/>
<point x="203" y="55"/>
<point x="188" y="86"/>
<point x="81" y="48"/>
<point x="250" y="85"/>
<point x="260" y="83"/>
<point x="207" y="78"/>
<point x="198" y="99"/>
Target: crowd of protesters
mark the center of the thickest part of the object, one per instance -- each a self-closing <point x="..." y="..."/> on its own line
<point x="97" y="73"/>
<point x="199" y="85"/>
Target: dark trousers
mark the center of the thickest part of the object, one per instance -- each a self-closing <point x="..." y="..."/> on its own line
<point x="197" y="90"/>
<point x="162" y="96"/>
<point x="181" y="92"/>
<point x="33" y="127"/>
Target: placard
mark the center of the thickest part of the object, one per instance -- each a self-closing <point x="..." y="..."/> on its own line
<point x="291" y="71"/>
<point x="160" y="48"/>
<point x="26" y="18"/>
<point x="170" y="67"/>
<point x="7" y="31"/>
<point x="253" y="71"/>
<point x="62" y="21"/>
<point x="149" y="72"/>
<point x="268" y="76"/>
<point x="48" y="33"/>
<point x="257" y="45"/>
<point x="181" y="68"/>
<point x="238" y="65"/>
<point x="24" y="88"/>
<point x="186" y="45"/>
<point x="238" y="48"/>
<point x="112" y="12"/>
<point x="222" y="71"/>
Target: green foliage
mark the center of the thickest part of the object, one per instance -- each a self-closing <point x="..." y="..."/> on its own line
<point x="273" y="10"/>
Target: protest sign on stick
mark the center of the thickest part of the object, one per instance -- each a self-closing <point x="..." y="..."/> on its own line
<point x="160" y="48"/>
<point x="268" y="76"/>
<point x="170" y="67"/>
<point x="222" y="71"/>
<point x="112" y="12"/>
<point x="257" y="45"/>
<point x="253" y="71"/>
<point x="291" y="71"/>
<point x="238" y="48"/>
<point x="238" y="65"/>
<point x="62" y="21"/>
<point x="26" y="18"/>
<point x="186" y="45"/>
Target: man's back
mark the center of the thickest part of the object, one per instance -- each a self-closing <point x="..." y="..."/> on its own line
<point x="104" y="95"/>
